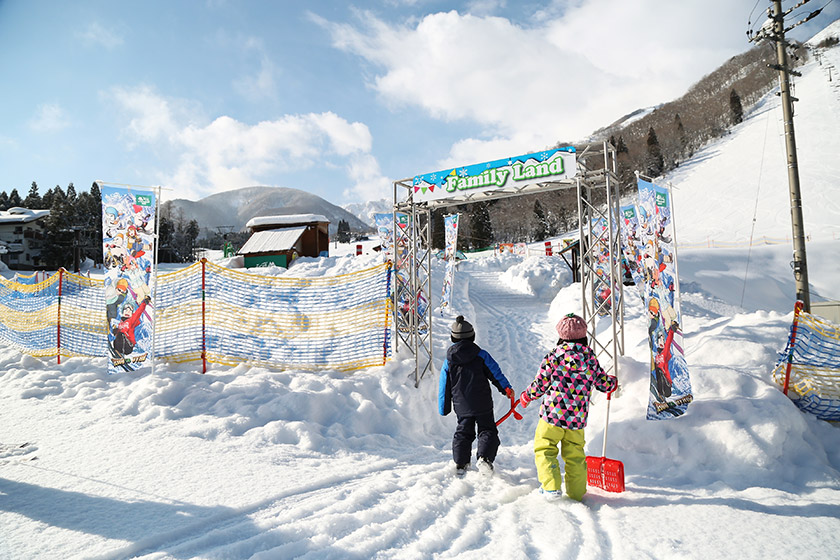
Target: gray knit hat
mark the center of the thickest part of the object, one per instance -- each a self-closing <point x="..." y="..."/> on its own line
<point x="461" y="329"/>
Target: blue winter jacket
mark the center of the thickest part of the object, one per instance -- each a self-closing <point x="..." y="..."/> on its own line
<point x="464" y="380"/>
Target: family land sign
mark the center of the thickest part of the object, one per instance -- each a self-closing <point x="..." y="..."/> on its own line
<point x="514" y="173"/>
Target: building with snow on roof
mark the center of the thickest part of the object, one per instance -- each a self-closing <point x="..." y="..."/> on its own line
<point x="21" y="237"/>
<point x="279" y="240"/>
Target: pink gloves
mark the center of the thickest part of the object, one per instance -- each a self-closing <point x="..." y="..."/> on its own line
<point x="524" y="400"/>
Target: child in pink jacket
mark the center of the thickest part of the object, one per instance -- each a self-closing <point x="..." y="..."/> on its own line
<point x="565" y="381"/>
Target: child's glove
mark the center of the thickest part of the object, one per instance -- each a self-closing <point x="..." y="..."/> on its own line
<point x="524" y="400"/>
<point x="509" y="392"/>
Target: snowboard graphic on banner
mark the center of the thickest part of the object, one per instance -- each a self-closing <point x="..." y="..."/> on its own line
<point x="670" y="386"/>
<point x="450" y="228"/>
<point x="128" y="237"/>
<point x="601" y="251"/>
<point x="630" y="246"/>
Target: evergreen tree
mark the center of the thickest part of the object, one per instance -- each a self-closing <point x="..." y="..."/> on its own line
<point x="682" y="139"/>
<point x="14" y="199"/>
<point x="71" y="193"/>
<point x="89" y="220"/>
<point x="654" y="164"/>
<point x="541" y="228"/>
<point x="480" y="226"/>
<point x="620" y="146"/>
<point x="438" y="229"/>
<point x="4" y="201"/>
<point x="46" y="200"/>
<point x="189" y="233"/>
<point x="59" y="234"/>
<point x="735" y="106"/>
<point x="33" y="199"/>
<point x="342" y="233"/>
<point x="166" y="235"/>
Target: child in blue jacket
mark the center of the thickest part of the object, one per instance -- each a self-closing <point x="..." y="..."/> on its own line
<point x="465" y="379"/>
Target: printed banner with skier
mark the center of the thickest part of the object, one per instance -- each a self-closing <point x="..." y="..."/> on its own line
<point x="632" y="256"/>
<point x="450" y="228"/>
<point x="670" y="386"/>
<point x="128" y="237"/>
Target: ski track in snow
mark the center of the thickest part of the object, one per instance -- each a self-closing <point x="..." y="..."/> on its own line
<point x="513" y="322"/>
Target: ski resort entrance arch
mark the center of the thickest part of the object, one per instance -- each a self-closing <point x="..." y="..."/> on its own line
<point x="591" y="172"/>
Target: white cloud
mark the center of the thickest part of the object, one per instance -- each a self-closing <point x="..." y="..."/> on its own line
<point x="576" y="67"/>
<point x="49" y="117"/>
<point x="262" y="83"/>
<point x="226" y="154"/>
<point x="95" y="34"/>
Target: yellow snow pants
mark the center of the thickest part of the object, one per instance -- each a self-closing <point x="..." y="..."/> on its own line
<point x="546" y="440"/>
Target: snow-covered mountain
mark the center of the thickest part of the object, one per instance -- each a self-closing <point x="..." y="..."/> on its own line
<point x="366" y="210"/>
<point x="234" y="208"/>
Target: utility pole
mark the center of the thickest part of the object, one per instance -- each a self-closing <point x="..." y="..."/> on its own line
<point x="777" y="33"/>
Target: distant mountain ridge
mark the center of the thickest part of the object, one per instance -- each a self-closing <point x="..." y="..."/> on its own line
<point x="233" y="209"/>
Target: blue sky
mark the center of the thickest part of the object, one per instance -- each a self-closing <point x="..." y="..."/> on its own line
<point x="335" y="98"/>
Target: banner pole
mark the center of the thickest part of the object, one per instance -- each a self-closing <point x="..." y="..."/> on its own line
<point x="58" y="319"/>
<point x="203" y="318"/>
<point x="676" y="245"/>
<point x="154" y="289"/>
<point x="388" y="269"/>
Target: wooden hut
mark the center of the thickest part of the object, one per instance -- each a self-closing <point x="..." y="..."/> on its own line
<point x="279" y="240"/>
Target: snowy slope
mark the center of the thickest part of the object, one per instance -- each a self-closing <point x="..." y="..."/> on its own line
<point x="254" y="463"/>
<point x="736" y="189"/>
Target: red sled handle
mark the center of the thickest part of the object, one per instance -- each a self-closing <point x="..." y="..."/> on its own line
<point x="513" y="403"/>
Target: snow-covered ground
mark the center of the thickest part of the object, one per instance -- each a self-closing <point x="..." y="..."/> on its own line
<point x="256" y="463"/>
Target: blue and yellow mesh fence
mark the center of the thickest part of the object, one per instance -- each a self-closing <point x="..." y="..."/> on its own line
<point x="213" y="314"/>
<point x="808" y="368"/>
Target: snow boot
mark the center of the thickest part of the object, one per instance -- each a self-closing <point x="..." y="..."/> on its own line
<point x="461" y="470"/>
<point x="551" y="495"/>
<point x="485" y="466"/>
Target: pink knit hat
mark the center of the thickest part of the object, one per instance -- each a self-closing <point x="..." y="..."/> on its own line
<point x="571" y="327"/>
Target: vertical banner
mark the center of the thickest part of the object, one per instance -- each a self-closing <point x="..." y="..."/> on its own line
<point x="128" y="237"/>
<point x="670" y="386"/>
<point x="632" y="257"/>
<point x="601" y="253"/>
<point x="385" y="229"/>
<point x="450" y="228"/>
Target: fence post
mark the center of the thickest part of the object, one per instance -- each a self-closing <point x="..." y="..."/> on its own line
<point x="203" y="317"/>
<point x="796" y="310"/>
<point x="548" y="248"/>
<point x="58" y="319"/>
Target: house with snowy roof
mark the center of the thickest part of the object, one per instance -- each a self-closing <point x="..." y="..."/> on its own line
<point x="279" y="240"/>
<point x="21" y="237"/>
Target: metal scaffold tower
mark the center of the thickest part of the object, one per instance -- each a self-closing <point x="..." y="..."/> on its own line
<point x="412" y="280"/>
<point x="597" y="187"/>
<point x="599" y="220"/>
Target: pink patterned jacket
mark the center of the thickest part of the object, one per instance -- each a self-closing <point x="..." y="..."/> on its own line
<point x="565" y="380"/>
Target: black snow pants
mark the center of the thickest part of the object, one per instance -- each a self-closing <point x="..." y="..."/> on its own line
<point x="465" y="434"/>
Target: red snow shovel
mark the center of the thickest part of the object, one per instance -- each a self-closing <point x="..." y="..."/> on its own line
<point x="607" y="474"/>
<point x="513" y="403"/>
